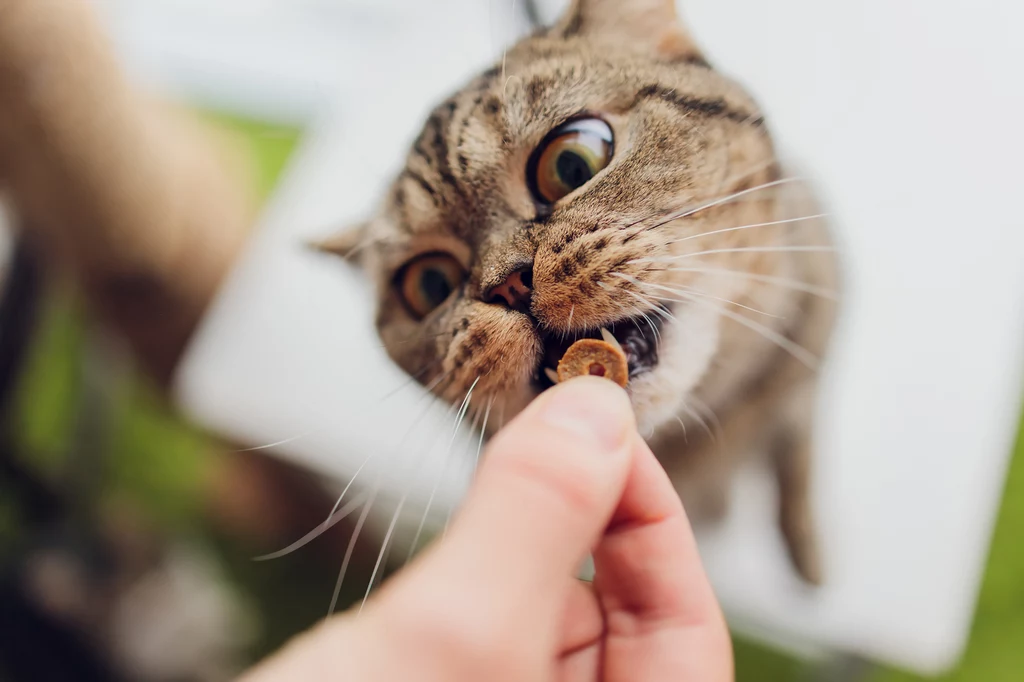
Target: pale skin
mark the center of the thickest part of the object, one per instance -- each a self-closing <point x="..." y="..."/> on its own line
<point x="496" y="600"/>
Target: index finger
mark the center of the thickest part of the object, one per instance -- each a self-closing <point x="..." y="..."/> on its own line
<point x="661" y="612"/>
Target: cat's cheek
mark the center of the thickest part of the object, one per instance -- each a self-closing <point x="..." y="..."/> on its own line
<point x="496" y="354"/>
<point x="687" y="349"/>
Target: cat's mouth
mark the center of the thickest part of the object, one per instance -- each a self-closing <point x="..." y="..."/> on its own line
<point x="637" y="336"/>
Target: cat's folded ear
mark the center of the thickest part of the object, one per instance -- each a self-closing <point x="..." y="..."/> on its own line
<point x="348" y="244"/>
<point x="647" y="24"/>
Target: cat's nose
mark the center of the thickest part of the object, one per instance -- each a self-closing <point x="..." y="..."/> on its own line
<point x="515" y="292"/>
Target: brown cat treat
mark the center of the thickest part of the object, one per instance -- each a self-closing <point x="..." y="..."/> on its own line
<point x="594" y="357"/>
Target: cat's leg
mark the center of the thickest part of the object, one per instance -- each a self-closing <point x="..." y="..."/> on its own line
<point x="705" y="490"/>
<point x="791" y="456"/>
<point x="700" y="462"/>
<point x="701" y="469"/>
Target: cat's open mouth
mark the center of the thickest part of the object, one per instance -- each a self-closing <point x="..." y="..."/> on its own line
<point x="637" y="336"/>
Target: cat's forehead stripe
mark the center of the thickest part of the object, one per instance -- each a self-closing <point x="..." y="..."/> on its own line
<point x="716" y="108"/>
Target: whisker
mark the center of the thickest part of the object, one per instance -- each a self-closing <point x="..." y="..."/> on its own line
<point x="685" y="213"/>
<point x="796" y="350"/>
<point x="385" y="545"/>
<point x="318" y="531"/>
<point x="708" y="413"/>
<point x="415" y="377"/>
<point x="464" y="407"/>
<point x="686" y="438"/>
<point x="351" y="547"/>
<point x="663" y="312"/>
<point x="332" y="518"/>
<point x="504" y="52"/>
<point x="713" y="298"/>
<point x="815" y="248"/>
<point x="684" y="290"/>
<point x="635" y="311"/>
<point x="747" y="227"/>
<point x="346" y="488"/>
<point x="730" y="197"/>
<point x="434" y="384"/>
<point x="275" y="444"/>
<point x="366" y="510"/>
<point x="473" y="427"/>
<point x="383" y="548"/>
<point x="794" y="284"/>
<point x="444" y="467"/>
<point x="483" y="432"/>
<point x="700" y="421"/>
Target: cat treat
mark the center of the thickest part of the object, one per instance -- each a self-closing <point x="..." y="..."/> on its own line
<point x="595" y="357"/>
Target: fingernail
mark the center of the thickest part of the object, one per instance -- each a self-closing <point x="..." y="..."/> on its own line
<point x="595" y="409"/>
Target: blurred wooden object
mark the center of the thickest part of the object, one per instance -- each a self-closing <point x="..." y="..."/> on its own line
<point x="142" y="205"/>
<point x="132" y="197"/>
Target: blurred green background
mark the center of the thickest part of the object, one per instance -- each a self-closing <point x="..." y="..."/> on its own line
<point x="159" y="464"/>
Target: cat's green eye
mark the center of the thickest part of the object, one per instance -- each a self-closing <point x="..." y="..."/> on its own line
<point x="568" y="158"/>
<point x="427" y="282"/>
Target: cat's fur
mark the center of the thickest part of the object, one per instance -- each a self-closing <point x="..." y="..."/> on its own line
<point x="727" y="383"/>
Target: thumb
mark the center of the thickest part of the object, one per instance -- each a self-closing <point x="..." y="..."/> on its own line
<point x="545" y="492"/>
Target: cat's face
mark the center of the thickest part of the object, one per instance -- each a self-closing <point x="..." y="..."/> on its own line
<point x="567" y="191"/>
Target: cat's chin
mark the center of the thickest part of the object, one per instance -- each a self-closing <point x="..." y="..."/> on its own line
<point x="639" y="338"/>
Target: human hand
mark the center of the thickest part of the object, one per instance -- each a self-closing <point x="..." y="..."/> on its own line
<point x="496" y="600"/>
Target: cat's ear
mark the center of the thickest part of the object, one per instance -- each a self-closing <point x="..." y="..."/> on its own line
<point x="348" y="244"/>
<point x="650" y="24"/>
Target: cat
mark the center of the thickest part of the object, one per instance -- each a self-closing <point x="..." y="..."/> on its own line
<point x="604" y="177"/>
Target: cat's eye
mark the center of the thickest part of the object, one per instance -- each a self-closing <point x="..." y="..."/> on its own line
<point x="568" y="158"/>
<point x="427" y="282"/>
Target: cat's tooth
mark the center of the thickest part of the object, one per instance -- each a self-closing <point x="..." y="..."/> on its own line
<point x="610" y="338"/>
<point x="551" y="374"/>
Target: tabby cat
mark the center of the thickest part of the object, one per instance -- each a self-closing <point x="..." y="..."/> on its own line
<point x="604" y="176"/>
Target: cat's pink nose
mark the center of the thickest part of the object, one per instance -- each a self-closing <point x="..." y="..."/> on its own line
<point x="515" y="292"/>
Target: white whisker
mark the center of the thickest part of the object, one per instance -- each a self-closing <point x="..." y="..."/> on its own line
<point x="700" y="421"/>
<point x="685" y="213"/>
<point x="686" y="438"/>
<point x="318" y="531"/>
<point x="708" y="413"/>
<point x="473" y="427"/>
<point x="483" y="433"/>
<point x="351" y="547"/>
<point x="331" y="520"/>
<point x="383" y="547"/>
<point x="433" y="384"/>
<point x="748" y="227"/>
<point x="794" y="284"/>
<point x="650" y="323"/>
<point x="444" y="467"/>
<point x="276" y="444"/>
<point x="685" y="290"/>
<point x="815" y="248"/>
<point x="796" y="350"/>
<point x="414" y="377"/>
